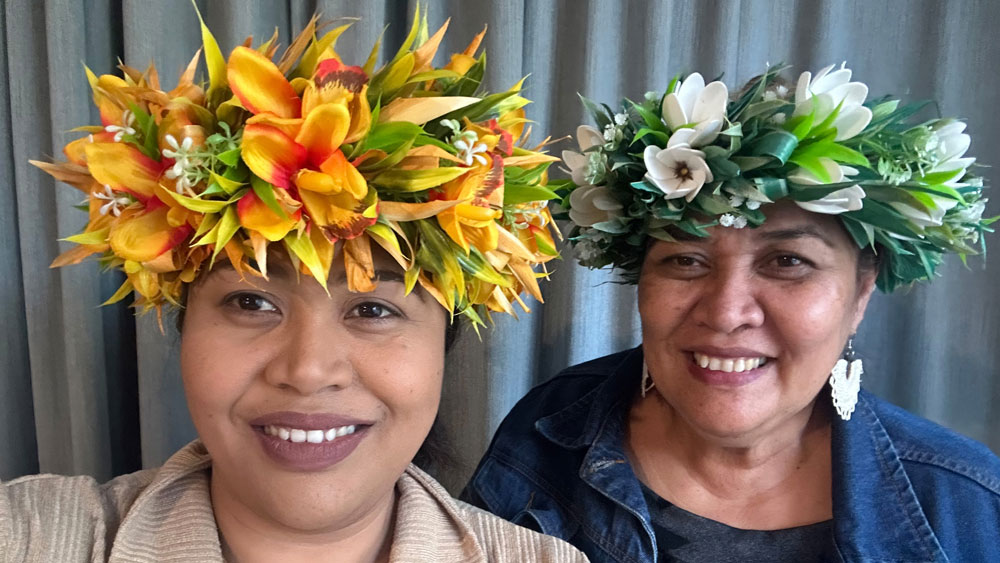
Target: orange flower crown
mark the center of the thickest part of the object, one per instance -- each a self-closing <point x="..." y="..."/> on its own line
<point x="321" y="157"/>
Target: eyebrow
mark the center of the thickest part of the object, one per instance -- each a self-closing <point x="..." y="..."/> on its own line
<point x="803" y="231"/>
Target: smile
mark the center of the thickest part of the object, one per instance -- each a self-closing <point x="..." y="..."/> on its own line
<point x="728" y="365"/>
<point x="298" y="436"/>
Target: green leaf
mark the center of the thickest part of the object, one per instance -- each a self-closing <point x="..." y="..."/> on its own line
<point x="214" y="60"/>
<point x="777" y="144"/>
<point x="265" y="191"/>
<point x="660" y="137"/>
<point x="92" y="237"/>
<point x="198" y="205"/>
<point x="651" y="119"/>
<point x="800" y="125"/>
<point x="230" y="157"/>
<point x="475" y="263"/>
<point x="391" y="135"/>
<point x="523" y="193"/>
<point x="417" y="180"/>
<point x="813" y="165"/>
<point x="226" y="228"/>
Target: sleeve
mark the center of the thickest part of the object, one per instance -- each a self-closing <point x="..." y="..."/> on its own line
<point x="45" y="518"/>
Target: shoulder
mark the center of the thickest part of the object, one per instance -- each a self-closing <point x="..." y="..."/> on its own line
<point x="926" y="447"/>
<point x="433" y="526"/>
<point x="504" y="541"/>
<point x="566" y="388"/>
<point x="65" y="518"/>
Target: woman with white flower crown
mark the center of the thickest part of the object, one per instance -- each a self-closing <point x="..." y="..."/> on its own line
<point x="321" y="227"/>
<point x="756" y="228"/>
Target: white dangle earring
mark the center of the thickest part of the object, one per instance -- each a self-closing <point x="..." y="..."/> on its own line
<point x="647" y="382"/>
<point x="845" y="382"/>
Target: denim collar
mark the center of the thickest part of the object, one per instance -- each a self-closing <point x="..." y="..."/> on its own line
<point x="877" y="516"/>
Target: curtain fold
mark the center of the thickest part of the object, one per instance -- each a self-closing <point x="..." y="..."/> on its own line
<point x="92" y="390"/>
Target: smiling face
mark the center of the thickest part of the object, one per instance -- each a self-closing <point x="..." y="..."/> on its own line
<point x="741" y="329"/>
<point x="310" y="405"/>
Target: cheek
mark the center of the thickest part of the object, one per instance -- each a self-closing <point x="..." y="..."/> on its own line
<point x="215" y="371"/>
<point x="813" y="321"/>
<point x="662" y="305"/>
<point x="406" y="376"/>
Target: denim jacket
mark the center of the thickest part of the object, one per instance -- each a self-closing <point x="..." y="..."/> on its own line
<point x="904" y="488"/>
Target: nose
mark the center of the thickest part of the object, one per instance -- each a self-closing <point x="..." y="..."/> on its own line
<point x="313" y="357"/>
<point x="728" y="302"/>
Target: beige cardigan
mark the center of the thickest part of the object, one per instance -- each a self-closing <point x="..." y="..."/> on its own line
<point x="166" y="514"/>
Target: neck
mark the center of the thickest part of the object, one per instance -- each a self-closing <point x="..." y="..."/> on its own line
<point x="777" y="478"/>
<point x="247" y="536"/>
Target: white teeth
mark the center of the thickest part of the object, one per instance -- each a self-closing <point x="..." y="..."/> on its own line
<point x="298" y="436"/>
<point x="728" y="365"/>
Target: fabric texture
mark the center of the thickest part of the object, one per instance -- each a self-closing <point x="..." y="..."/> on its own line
<point x="684" y="536"/>
<point x="904" y="488"/>
<point x="90" y="390"/>
<point x="166" y="514"/>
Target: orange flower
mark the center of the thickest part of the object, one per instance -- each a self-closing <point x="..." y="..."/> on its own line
<point x="295" y="143"/>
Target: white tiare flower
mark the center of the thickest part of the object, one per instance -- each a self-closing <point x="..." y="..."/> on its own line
<point x="470" y="151"/>
<point x="679" y="171"/>
<point x="128" y="120"/>
<point x="926" y="217"/>
<point x="840" y="201"/>
<point x="587" y="137"/>
<point x="115" y="202"/>
<point x="697" y="107"/>
<point x="827" y="90"/>
<point x="950" y="150"/>
<point x="592" y="204"/>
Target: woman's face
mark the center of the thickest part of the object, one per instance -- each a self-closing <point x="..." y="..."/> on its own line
<point x="311" y="405"/>
<point x="786" y="296"/>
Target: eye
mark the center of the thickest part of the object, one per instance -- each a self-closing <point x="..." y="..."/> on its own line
<point x="788" y="266"/>
<point x="251" y="303"/>
<point x="372" y="310"/>
<point x="788" y="261"/>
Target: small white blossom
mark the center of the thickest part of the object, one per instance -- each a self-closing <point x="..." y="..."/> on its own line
<point x="779" y="118"/>
<point x="727" y="219"/>
<point x="470" y="151"/>
<point x="128" y="120"/>
<point x="781" y="91"/>
<point x="621" y="119"/>
<point x="770" y="95"/>
<point x="115" y="202"/>
<point x="753" y="204"/>
<point x="736" y="201"/>
<point x="739" y="222"/>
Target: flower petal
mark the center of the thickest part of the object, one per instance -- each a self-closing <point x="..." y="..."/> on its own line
<point x="711" y="103"/>
<point x="271" y="154"/>
<point x="851" y="123"/>
<point x="346" y="174"/>
<point x="143" y="235"/>
<point x="588" y="137"/>
<point x="341" y="215"/>
<point x="259" y="85"/>
<point x="255" y="215"/>
<point x="124" y="168"/>
<point x="324" y="130"/>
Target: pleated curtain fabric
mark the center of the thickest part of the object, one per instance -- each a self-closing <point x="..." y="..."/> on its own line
<point x="86" y="389"/>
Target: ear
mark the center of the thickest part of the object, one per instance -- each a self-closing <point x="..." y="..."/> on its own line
<point x="866" y="285"/>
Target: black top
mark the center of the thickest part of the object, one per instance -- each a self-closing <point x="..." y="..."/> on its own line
<point x="688" y="538"/>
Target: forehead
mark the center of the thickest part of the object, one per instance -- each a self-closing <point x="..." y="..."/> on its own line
<point x="785" y="222"/>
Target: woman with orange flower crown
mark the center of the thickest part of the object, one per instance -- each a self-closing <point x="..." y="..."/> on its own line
<point x="320" y="225"/>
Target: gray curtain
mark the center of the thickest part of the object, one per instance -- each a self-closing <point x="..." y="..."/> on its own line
<point x="91" y="390"/>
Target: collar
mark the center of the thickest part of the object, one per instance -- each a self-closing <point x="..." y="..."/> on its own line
<point x="172" y="517"/>
<point x="877" y="516"/>
<point x="579" y="424"/>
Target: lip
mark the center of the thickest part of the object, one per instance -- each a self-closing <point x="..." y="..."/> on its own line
<point x="306" y="456"/>
<point x="718" y="378"/>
